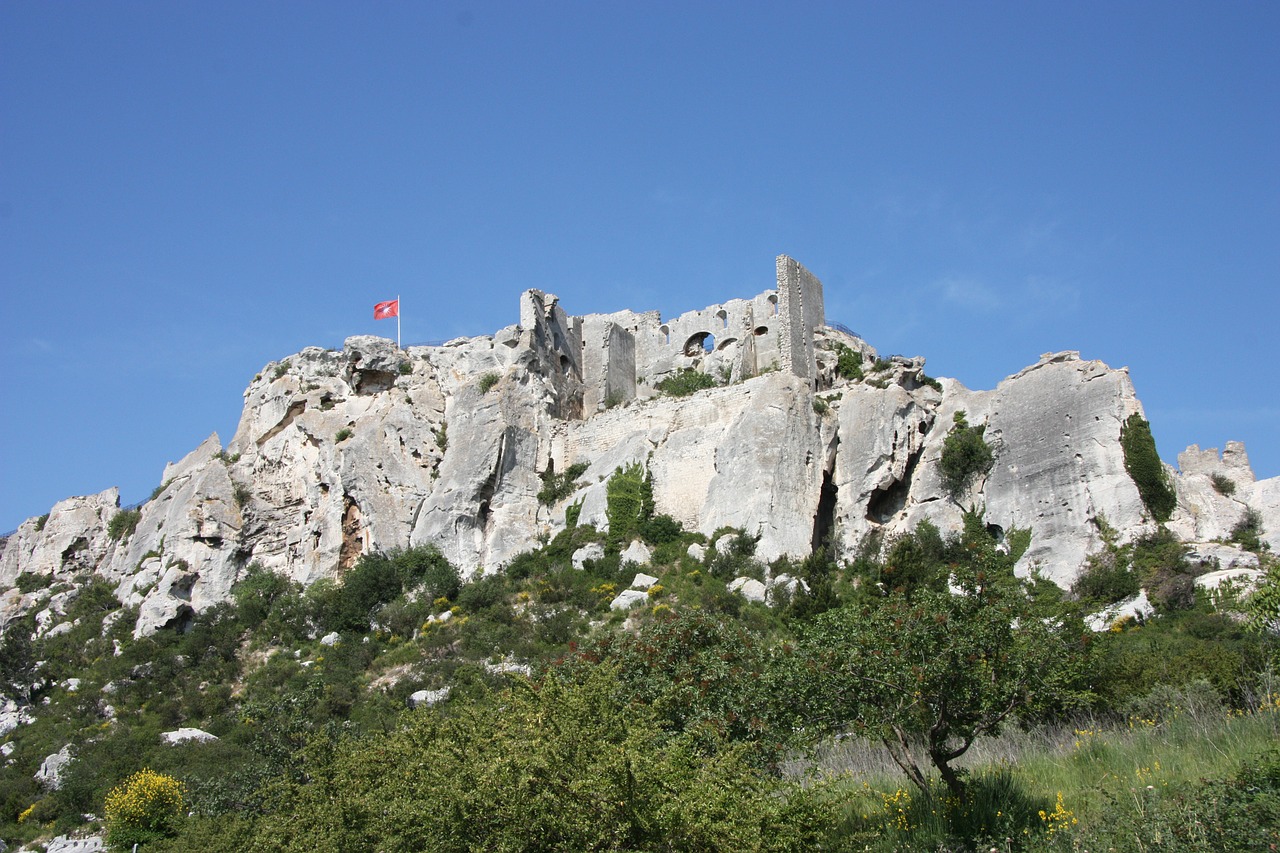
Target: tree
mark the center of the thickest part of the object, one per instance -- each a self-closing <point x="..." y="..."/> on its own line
<point x="927" y="675"/>
<point x="965" y="456"/>
<point x="1145" y="468"/>
<point x="701" y="675"/>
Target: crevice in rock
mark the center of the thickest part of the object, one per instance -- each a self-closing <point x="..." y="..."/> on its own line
<point x="352" y="534"/>
<point x="887" y="501"/>
<point x="294" y="410"/>
<point x="825" y="520"/>
<point x="181" y="621"/>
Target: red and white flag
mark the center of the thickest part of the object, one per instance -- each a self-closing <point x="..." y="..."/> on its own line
<point x="386" y="310"/>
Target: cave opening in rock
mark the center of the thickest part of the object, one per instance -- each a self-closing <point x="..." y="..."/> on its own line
<point x="825" y="520"/>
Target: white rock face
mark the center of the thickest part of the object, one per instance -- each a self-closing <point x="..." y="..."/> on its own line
<point x="1138" y="607"/>
<point x="370" y="448"/>
<point x="629" y="598"/>
<point x="71" y="844"/>
<point x="637" y="553"/>
<point x="643" y="581"/>
<point x="750" y="589"/>
<point x="50" y="773"/>
<point x="1243" y="579"/>
<point x="592" y="551"/>
<point x="185" y="734"/>
<point x="12" y="715"/>
<point x="427" y="698"/>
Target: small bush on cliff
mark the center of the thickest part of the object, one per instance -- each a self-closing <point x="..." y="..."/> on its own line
<point x="965" y="456"/>
<point x="557" y="487"/>
<point x="686" y="382"/>
<point x="1223" y="485"/>
<point x="487" y="381"/>
<point x="123" y="523"/>
<point x="1145" y="468"/>
<point x="1248" y="532"/>
<point x="628" y="503"/>
<point x="849" y="362"/>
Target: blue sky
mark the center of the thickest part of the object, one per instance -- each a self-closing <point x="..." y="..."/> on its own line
<point x="190" y="190"/>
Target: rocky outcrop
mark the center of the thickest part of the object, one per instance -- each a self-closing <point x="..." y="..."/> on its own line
<point x="373" y="447"/>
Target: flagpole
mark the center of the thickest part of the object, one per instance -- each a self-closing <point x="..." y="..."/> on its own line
<point x="397" y="321"/>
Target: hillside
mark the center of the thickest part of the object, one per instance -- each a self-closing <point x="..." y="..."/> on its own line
<point x="800" y="433"/>
<point x="619" y="575"/>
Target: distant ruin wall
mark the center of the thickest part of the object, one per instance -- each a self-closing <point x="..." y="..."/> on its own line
<point x="624" y="355"/>
<point x="801" y="309"/>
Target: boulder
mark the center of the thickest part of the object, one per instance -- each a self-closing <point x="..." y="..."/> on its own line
<point x="637" y="554"/>
<point x="50" y="773"/>
<point x="427" y="698"/>
<point x="628" y="598"/>
<point x="590" y="551"/>
<point x="1137" y="607"/>
<point x="643" y="581"/>
<point x="186" y="734"/>
<point x="750" y="589"/>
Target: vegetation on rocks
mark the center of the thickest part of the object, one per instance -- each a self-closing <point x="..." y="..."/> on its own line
<point x="965" y="457"/>
<point x="1145" y="468"/>
<point x="685" y="382"/>
<point x="123" y="523"/>
<point x="697" y="720"/>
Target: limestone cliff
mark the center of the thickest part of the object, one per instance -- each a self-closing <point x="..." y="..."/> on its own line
<point x="339" y="453"/>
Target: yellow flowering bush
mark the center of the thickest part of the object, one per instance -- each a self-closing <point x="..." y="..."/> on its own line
<point x="142" y="808"/>
<point x="1060" y="819"/>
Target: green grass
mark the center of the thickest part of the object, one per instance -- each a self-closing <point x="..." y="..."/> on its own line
<point x="1110" y="785"/>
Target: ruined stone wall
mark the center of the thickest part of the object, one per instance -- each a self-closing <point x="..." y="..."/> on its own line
<point x="624" y="355"/>
<point x="800" y="305"/>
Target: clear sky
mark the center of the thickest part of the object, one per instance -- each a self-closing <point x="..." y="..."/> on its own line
<point x="189" y="190"/>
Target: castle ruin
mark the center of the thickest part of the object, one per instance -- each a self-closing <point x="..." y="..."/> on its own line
<point x="600" y="360"/>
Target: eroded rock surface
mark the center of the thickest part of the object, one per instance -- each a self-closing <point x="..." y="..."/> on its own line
<point x="373" y="447"/>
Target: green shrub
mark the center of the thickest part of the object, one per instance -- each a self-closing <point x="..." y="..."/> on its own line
<point x="1106" y="579"/>
<point x="146" y="806"/>
<point x="628" y="502"/>
<point x="965" y="455"/>
<point x="556" y="767"/>
<point x="242" y="494"/>
<point x="1223" y="485"/>
<point x="685" y="382"/>
<point x="123" y="523"/>
<point x="442" y="436"/>
<point x="281" y="369"/>
<point x="557" y="487"/>
<point x="1247" y="532"/>
<point x="28" y="582"/>
<point x="820" y="406"/>
<point x="41" y="522"/>
<point x="849" y="362"/>
<point x="487" y="381"/>
<point x="1145" y="468"/>
<point x="342" y="435"/>
<point x="406" y="367"/>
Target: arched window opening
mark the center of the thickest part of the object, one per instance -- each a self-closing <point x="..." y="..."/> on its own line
<point x="699" y="343"/>
<point x="724" y="318"/>
<point x="726" y="342"/>
<point x="665" y="331"/>
<point x="762" y="330"/>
